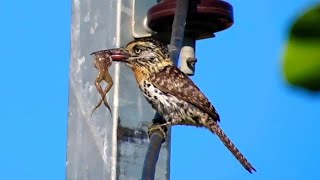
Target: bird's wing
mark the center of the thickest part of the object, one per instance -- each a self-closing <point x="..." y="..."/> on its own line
<point x="171" y="80"/>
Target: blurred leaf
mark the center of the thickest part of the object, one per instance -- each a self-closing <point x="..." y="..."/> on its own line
<point x="302" y="58"/>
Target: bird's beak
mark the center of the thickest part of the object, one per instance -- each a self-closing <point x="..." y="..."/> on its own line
<point x="118" y="54"/>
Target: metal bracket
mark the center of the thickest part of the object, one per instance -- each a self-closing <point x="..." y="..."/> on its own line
<point x="187" y="56"/>
<point x="139" y="18"/>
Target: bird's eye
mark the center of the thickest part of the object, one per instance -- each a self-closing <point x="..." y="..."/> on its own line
<point x="137" y="50"/>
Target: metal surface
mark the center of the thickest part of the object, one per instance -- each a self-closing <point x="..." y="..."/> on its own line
<point x="151" y="159"/>
<point x="139" y="24"/>
<point x="178" y="28"/>
<point x="102" y="147"/>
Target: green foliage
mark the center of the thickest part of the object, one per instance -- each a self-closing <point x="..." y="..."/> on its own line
<point x="308" y="25"/>
<point x="302" y="58"/>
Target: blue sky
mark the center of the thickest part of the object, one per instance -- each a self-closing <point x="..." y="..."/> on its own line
<point x="274" y="125"/>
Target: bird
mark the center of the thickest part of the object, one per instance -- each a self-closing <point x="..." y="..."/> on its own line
<point x="171" y="92"/>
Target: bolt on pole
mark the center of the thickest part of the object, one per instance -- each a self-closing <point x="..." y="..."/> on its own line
<point x="101" y="146"/>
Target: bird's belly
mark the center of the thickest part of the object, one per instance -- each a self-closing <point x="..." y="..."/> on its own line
<point x="170" y="107"/>
<point x="161" y="102"/>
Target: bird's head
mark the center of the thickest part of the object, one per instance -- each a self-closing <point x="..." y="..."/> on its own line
<point x="148" y="55"/>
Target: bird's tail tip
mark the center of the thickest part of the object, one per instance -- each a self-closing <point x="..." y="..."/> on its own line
<point x="215" y="128"/>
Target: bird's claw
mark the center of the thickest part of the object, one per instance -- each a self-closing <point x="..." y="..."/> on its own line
<point x="158" y="127"/>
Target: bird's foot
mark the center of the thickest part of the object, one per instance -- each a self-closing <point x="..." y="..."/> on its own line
<point x="158" y="127"/>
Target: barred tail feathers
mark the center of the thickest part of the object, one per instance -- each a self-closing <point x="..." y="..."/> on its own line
<point x="215" y="128"/>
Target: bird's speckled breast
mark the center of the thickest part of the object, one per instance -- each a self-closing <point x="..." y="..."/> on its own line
<point x="155" y="97"/>
<point x="172" y="108"/>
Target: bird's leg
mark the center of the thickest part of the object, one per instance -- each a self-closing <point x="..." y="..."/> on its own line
<point x="158" y="124"/>
<point x="163" y="128"/>
<point x="162" y="124"/>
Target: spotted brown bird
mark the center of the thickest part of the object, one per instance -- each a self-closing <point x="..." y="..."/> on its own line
<point x="170" y="92"/>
